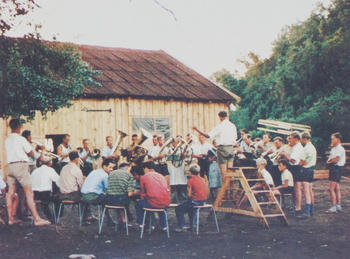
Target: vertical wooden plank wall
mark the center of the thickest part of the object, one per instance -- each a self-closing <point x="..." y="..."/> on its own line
<point x="97" y="125"/>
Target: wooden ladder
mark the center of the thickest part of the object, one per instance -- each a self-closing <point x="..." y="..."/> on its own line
<point x="236" y="193"/>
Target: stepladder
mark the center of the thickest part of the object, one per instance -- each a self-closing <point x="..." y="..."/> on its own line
<point x="245" y="192"/>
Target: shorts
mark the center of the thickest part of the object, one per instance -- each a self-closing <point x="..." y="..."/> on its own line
<point x="162" y="169"/>
<point x="296" y="171"/>
<point x="19" y="172"/>
<point x="224" y="154"/>
<point x="335" y="173"/>
<point x="307" y="175"/>
<point x="288" y="190"/>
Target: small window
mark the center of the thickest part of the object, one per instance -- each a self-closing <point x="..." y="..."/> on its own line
<point x="153" y="125"/>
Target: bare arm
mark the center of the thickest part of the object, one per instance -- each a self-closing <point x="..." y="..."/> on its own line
<point x="200" y="132"/>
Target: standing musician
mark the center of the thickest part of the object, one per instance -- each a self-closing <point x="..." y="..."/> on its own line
<point x="17" y="151"/>
<point x="188" y="154"/>
<point x="225" y="135"/>
<point x="154" y="149"/>
<point x="264" y="145"/>
<point x="294" y="160"/>
<point x="63" y="151"/>
<point x="160" y="160"/>
<point x="272" y="156"/>
<point x="178" y="180"/>
<point x="130" y="149"/>
<point x="308" y="163"/>
<point x="32" y="160"/>
<point x="201" y="153"/>
<point x="108" y="149"/>
<point x="85" y="156"/>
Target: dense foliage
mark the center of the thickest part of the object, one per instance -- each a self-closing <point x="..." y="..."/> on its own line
<point x="305" y="80"/>
<point x="40" y="76"/>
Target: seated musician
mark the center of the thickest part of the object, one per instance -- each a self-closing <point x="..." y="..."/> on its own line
<point x="121" y="186"/>
<point x="155" y="193"/>
<point x="85" y="156"/>
<point x="108" y="149"/>
<point x="42" y="179"/>
<point x="287" y="186"/>
<point x="200" y="151"/>
<point x="71" y="179"/>
<point x="248" y="150"/>
<point x="197" y="194"/>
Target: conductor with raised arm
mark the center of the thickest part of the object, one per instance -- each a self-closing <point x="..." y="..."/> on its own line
<point x="225" y="135"/>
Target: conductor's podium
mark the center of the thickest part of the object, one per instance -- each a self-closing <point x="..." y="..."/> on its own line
<point x="244" y="191"/>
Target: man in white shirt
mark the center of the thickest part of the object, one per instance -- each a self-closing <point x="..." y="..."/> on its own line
<point x="107" y="150"/>
<point x="42" y="179"/>
<point x="153" y="150"/>
<point x="294" y="160"/>
<point x="225" y="135"/>
<point x="308" y="163"/>
<point x="336" y="162"/>
<point x="200" y="151"/>
<point x="17" y="151"/>
<point x="85" y="156"/>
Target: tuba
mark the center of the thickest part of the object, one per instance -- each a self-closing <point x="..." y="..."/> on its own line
<point x="139" y="152"/>
<point x="120" y="137"/>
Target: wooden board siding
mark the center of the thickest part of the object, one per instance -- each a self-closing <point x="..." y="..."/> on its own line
<point x="97" y="125"/>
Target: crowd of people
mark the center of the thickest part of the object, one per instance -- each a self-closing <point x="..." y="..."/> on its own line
<point x="180" y="170"/>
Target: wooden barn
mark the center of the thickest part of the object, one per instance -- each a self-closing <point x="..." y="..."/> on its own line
<point x="140" y="88"/>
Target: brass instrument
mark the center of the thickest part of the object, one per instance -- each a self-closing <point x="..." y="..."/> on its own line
<point x="161" y="150"/>
<point x="138" y="153"/>
<point x="116" y="146"/>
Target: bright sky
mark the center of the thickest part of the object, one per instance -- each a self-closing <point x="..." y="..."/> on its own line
<point x="208" y="35"/>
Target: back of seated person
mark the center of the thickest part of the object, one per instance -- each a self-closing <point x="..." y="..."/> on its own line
<point x="197" y="195"/>
<point x="71" y="179"/>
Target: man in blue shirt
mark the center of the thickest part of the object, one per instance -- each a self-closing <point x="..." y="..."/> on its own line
<point x="95" y="185"/>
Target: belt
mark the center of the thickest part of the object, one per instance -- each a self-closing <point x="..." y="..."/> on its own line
<point x="17" y="162"/>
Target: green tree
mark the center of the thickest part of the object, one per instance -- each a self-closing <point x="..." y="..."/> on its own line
<point x="40" y="76"/>
<point x="305" y="80"/>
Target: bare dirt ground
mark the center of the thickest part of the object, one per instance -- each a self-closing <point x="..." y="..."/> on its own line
<point x="322" y="236"/>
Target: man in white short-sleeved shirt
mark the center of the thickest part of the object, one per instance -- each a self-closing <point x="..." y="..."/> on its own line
<point x="17" y="151"/>
<point x="336" y="162"/>
<point x="225" y="135"/>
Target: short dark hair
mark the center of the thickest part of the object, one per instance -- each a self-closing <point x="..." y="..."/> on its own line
<point x="338" y="135"/>
<point x="137" y="170"/>
<point x="15" y="123"/>
<point x="122" y="165"/>
<point x="108" y="161"/>
<point x="148" y="164"/>
<point x="283" y="162"/>
<point x="244" y="130"/>
<point x="278" y="138"/>
<point x="306" y="135"/>
<point x="222" y="114"/>
<point x="155" y="136"/>
<point x="85" y="139"/>
<point x="248" y="136"/>
<point x="26" y="133"/>
<point x="295" y="134"/>
<point x="267" y="134"/>
<point x="65" y="136"/>
<point x="73" y="155"/>
<point x="134" y="135"/>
